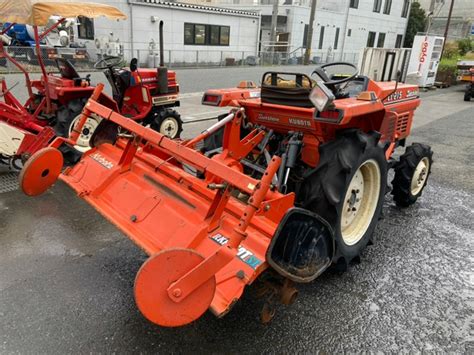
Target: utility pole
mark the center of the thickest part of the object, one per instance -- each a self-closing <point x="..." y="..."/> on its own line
<point x="430" y="16"/>
<point x="309" y="39"/>
<point x="273" y="31"/>
<point x="447" y="26"/>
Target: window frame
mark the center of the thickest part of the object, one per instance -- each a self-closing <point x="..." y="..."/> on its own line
<point x="397" y="43"/>
<point x="86" y="24"/>
<point x="384" y="36"/>
<point x="377" y="6"/>
<point x="405" y="8"/>
<point x="336" y="38"/>
<point x="208" y="30"/>
<point x="387" y="7"/>
<point x="321" y="37"/>
<point x="354" y="4"/>
<point x="373" y="39"/>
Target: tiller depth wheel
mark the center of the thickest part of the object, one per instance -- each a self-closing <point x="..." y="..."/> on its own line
<point x="41" y="171"/>
<point x="153" y="280"/>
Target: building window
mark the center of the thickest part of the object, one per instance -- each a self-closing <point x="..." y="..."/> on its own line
<point x="377" y="5"/>
<point x="321" y="37"/>
<point x="305" y="36"/>
<point x="199" y="34"/>
<point x="387" y="7"/>
<point x="85" y="28"/>
<point x="398" y="42"/>
<point x="225" y="35"/>
<point x="336" y="38"/>
<point x="406" y="6"/>
<point x="206" y="35"/>
<point x="349" y="32"/>
<point x="381" y="40"/>
<point x="371" y="39"/>
<point x="354" y="4"/>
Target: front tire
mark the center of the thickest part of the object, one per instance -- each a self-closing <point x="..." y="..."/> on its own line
<point x="347" y="189"/>
<point x="168" y="122"/>
<point x="411" y="174"/>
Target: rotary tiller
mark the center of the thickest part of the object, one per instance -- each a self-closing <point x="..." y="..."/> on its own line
<point x="291" y="181"/>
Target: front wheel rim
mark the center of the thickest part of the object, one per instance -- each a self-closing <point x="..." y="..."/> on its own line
<point x="87" y="131"/>
<point x="419" y="176"/>
<point x="360" y="202"/>
<point x="169" y="127"/>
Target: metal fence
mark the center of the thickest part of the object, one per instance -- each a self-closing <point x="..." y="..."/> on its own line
<point x="85" y="58"/>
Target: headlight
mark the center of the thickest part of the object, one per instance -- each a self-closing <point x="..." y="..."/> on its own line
<point x="321" y="96"/>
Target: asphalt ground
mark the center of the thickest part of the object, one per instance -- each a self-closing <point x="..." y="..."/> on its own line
<point x="66" y="284"/>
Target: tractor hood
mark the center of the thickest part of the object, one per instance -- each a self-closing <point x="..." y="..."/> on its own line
<point x="38" y="13"/>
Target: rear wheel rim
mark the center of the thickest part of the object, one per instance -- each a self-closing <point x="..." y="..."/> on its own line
<point x="360" y="202"/>
<point x="169" y="127"/>
<point x="87" y="131"/>
<point x="419" y="176"/>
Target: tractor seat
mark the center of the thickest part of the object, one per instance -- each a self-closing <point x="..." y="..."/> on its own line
<point x="67" y="71"/>
<point x="287" y="89"/>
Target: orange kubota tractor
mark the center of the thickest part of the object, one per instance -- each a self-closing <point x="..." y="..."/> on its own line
<point x="287" y="184"/>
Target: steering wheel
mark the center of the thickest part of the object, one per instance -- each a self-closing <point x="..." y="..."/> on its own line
<point x="108" y="63"/>
<point x="337" y="68"/>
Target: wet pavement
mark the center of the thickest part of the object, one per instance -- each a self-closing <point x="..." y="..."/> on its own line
<point x="66" y="281"/>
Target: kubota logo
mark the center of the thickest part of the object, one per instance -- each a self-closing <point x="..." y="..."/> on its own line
<point x="102" y="161"/>
<point x="243" y="253"/>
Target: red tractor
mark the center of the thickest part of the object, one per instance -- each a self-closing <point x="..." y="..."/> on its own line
<point x="55" y="101"/>
<point x="287" y="184"/>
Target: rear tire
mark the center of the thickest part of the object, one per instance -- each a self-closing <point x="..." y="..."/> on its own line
<point x="411" y="174"/>
<point x="168" y="122"/>
<point x="66" y="115"/>
<point x="347" y="189"/>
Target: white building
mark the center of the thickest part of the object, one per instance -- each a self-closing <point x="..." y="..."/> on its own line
<point x="341" y="29"/>
<point x="228" y="31"/>
<point x="192" y="33"/>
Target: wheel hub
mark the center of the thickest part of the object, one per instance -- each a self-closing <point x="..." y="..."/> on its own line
<point x="87" y="131"/>
<point x="169" y="127"/>
<point x="419" y="176"/>
<point x="360" y="202"/>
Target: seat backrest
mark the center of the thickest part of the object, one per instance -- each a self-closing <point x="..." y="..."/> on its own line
<point x="287" y="89"/>
<point x="66" y="69"/>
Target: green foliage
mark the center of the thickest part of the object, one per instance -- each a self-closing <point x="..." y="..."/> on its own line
<point x="465" y="45"/>
<point x="451" y="50"/>
<point x="448" y="65"/>
<point x="447" y="70"/>
<point x="416" y="23"/>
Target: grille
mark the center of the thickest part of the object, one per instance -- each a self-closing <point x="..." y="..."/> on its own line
<point x="402" y="123"/>
<point x="8" y="182"/>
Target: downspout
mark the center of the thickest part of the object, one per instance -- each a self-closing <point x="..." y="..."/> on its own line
<point x="344" y="32"/>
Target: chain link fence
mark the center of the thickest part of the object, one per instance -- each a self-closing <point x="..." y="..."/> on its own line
<point x="85" y="58"/>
